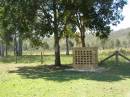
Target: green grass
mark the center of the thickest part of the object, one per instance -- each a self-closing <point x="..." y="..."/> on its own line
<point x="28" y="78"/>
<point x="35" y="59"/>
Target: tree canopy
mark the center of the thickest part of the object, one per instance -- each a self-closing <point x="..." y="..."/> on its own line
<point x="96" y="16"/>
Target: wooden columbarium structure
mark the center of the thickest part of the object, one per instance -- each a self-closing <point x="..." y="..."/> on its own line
<point x="85" y="57"/>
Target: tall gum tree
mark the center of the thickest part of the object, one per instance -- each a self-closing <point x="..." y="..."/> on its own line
<point x="56" y="18"/>
<point x="96" y="16"/>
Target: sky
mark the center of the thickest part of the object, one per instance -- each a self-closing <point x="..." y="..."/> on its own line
<point x="126" y="22"/>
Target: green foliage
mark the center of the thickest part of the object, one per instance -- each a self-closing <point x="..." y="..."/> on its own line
<point x="35" y="18"/>
<point x="96" y="15"/>
<point x="118" y="43"/>
<point x="103" y="42"/>
<point x="71" y="44"/>
<point x="45" y="46"/>
<point x="129" y="35"/>
<point x="112" y="44"/>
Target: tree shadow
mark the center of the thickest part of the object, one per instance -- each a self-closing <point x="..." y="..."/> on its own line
<point x="116" y="73"/>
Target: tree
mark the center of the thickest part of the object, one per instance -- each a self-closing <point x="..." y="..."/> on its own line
<point x="77" y="39"/>
<point x="68" y="33"/>
<point x="53" y="18"/>
<point x="45" y="46"/>
<point x="5" y="32"/>
<point x="128" y="38"/>
<point x="71" y="44"/>
<point x="103" y="43"/>
<point x="112" y="44"/>
<point x="128" y="34"/>
<point x="124" y="43"/>
<point x="96" y="16"/>
<point x="118" y="43"/>
<point x="14" y="23"/>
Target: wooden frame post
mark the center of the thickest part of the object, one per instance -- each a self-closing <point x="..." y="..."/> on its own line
<point x="41" y="58"/>
<point x="116" y="54"/>
<point x="117" y="57"/>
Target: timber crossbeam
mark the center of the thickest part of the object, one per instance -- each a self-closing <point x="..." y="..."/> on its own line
<point x="116" y="54"/>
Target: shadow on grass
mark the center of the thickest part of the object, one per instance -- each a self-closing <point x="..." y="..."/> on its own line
<point x="116" y="73"/>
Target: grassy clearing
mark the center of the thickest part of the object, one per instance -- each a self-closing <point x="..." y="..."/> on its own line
<point x="29" y="78"/>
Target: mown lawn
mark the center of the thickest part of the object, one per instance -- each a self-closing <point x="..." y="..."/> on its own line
<point x="28" y="78"/>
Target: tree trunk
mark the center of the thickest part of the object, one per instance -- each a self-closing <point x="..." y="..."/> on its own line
<point x="83" y="36"/>
<point x="15" y="45"/>
<point x="20" y="50"/>
<point x="57" y="52"/>
<point x="67" y="45"/>
<point x="18" y="45"/>
<point x="83" y="41"/>
<point x="56" y="34"/>
<point x="16" y="48"/>
<point x="6" y="50"/>
<point x="2" y="49"/>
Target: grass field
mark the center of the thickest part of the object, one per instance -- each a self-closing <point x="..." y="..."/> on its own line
<point x="28" y="78"/>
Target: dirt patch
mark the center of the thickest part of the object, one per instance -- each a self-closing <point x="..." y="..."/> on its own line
<point x="128" y="94"/>
<point x="98" y="70"/>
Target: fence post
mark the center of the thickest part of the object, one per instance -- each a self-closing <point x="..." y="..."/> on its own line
<point x="117" y="57"/>
<point x="41" y="58"/>
<point x="16" y="59"/>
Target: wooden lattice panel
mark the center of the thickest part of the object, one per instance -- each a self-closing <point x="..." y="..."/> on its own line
<point x="85" y="58"/>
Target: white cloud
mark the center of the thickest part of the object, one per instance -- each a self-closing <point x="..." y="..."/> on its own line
<point x="126" y="22"/>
